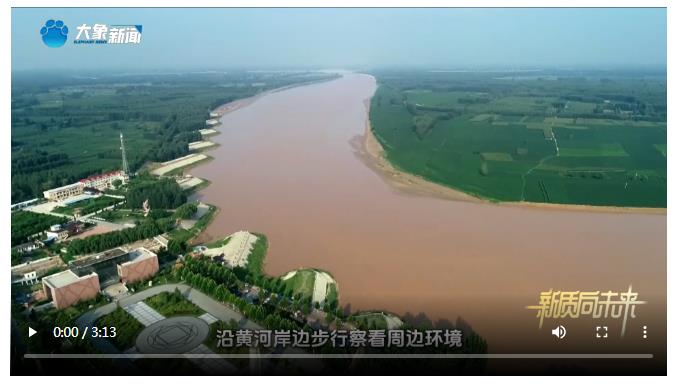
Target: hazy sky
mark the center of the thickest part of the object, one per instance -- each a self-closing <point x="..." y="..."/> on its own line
<point x="362" y="38"/>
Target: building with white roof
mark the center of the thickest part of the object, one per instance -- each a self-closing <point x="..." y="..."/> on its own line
<point x="67" y="288"/>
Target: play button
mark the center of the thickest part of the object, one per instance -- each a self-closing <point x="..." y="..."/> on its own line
<point x="31" y="331"/>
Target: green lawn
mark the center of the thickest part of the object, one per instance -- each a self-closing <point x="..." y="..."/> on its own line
<point x="121" y="215"/>
<point x="370" y="320"/>
<point x="303" y="283"/>
<point x="127" y="328"/>
<point x="257" y="256"/>
<point x="186" y="235"/>
<point x="88" y="206"/>
<point x="172" y="304"/>
<point x="218" y="243"/>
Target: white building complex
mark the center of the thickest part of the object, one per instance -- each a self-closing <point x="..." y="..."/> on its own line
<point x="62" y="193"/>
<point x="100" y="182"/>
<point x="104" y="181"/>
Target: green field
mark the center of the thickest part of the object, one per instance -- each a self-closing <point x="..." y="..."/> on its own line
<point x="593" y="139"/>
<point x="662" y="148"/>
<point x="600" y="150"/>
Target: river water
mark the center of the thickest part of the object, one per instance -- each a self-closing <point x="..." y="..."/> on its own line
<point x="287" y="167"/>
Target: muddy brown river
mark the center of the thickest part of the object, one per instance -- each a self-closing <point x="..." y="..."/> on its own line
<point x="287" y="166"/>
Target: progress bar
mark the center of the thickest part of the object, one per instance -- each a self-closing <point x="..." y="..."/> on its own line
<point x="341" y="356"/>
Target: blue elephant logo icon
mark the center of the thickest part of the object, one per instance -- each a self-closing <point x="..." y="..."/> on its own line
<point x="54" y="33"/>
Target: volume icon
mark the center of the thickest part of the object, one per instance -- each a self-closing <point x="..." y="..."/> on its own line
<point x="560" y="332"/>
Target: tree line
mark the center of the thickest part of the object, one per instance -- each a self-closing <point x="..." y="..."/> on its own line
<point x="104" y="241"/>
<point x="217" y="281"/>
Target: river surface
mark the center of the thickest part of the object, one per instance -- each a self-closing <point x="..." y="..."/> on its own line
<point x="287" y="167"/>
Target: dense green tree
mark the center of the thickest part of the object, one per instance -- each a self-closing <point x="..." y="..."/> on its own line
<point x="26" y="223"/>
<point x="163" y="193"/>
<point x="186" y="211"/>
<point x="177" y="247"/>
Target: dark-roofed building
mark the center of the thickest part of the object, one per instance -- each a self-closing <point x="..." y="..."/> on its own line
<point x="118" y="265"/>
<point x="86" y="276"/>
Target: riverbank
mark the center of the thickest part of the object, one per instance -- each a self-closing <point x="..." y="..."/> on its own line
<point x="374" y="157"/>
<point x="241" y="103"/>
<point x="234" y="106"/>
<point x="196" y="157"/>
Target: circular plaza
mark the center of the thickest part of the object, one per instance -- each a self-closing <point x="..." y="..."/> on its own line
<point x="179" y="334"/>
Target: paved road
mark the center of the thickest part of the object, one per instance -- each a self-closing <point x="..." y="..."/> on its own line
<point x="206" y="303"/>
